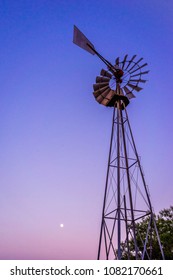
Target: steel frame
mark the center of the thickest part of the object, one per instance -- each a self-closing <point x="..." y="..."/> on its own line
<point x="126" y="198"/>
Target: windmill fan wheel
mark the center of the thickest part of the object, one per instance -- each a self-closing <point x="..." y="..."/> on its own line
<point x="120" y="82"/>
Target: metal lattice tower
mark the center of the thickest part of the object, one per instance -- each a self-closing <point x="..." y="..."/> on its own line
<point x="126" y="198"/>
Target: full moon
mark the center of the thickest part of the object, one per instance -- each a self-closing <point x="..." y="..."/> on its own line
<point x="61" y="225"/>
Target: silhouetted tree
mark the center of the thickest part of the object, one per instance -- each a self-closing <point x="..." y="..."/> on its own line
<point x="164" y="222"/>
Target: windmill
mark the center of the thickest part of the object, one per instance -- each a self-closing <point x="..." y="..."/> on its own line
<point x="126" y="197"/>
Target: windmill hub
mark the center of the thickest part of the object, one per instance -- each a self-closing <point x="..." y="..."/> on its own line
<point x="118" y="74"/>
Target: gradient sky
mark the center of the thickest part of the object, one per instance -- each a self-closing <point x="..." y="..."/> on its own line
<point x="54" y="137"/>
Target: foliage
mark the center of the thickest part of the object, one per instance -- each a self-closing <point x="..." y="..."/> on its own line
<point x="164" y="222"/>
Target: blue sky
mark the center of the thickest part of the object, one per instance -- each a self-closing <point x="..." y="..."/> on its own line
<point x="55" y="138"/>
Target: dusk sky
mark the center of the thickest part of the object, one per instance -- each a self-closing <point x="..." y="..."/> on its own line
<point x="54" y="136"/>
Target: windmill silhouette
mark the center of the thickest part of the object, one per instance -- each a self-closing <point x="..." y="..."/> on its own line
<point x="126" y="198"/>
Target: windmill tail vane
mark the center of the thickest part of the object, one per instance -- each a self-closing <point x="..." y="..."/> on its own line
<point x="126" y="200"/>
<point x="82" y="41"/>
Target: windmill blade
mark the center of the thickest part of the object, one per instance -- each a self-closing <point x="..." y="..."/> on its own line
<point x="82" y="41"/>
<point x="110" y="94"/>
<point x="127" y="91"/>
<point x="117" y="61"/>
<point x="106" y="92"/>
<point x="130" y="95"/>
<point x="133" y="57"/>
<point x="135" y="87"/>
<point x="99" y="91"/>
<point x="139" y="60"/>
<point x="100" y="98"/>
<point x="145" y="64"/>
<point x="105" y="101"/>
<point x="100" y="85"/>
<point x="105" y="97"/>
<point x="124" y="61"/>
<point x="139" y="74"/>
<point x="105" y="73"/>
<point x="137" y="81"/>
<point x="136" y="63"/>
<point x="102" y="79"/>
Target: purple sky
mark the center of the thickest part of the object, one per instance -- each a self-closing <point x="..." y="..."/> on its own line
<point x="54" y="137"/>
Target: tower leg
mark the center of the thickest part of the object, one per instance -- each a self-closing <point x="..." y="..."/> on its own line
<point x="102" y="230"/>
